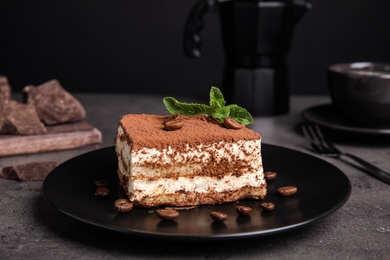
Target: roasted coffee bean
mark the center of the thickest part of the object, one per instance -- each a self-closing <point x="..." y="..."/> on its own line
<point x="101" y="183"/>
<point x="218" y="216"/>
<point x="243" y="210"/>
<point x="167" y="214"/>
<point x="173" y="117"/>
<point x="267" y="206"/>
<point x="269" y="176"/>
<point x="287" y="191"/>
<point x="123" y="205"/>
<point x="230" y="123"/>
<point x="173" y="124"/>
<point x="213" y="120"/>
<point x="102" y="191"/>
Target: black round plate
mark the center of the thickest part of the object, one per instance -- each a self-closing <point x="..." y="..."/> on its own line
<point x="327" y="116"/>
<point x="322" y="189"/>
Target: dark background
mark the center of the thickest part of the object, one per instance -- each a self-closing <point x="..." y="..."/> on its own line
<point x="136" y="46"/>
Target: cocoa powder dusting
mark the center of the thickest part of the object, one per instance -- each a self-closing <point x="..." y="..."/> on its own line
<point x="144" y="130"/>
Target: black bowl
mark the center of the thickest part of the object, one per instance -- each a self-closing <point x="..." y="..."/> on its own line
<point x="361" y="92"/>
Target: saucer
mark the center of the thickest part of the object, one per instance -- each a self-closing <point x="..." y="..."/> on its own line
<point x="326" y="116"/>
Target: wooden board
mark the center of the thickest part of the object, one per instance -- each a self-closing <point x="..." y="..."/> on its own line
<point x="61" y="137"/>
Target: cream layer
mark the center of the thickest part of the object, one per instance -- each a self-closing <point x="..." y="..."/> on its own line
<point x="203" y="169"/>
<point x="142" y="188"/>
<point x="222" y="157"/>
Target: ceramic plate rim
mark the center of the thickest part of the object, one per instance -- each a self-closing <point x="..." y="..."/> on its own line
<point x="312" y="115"/>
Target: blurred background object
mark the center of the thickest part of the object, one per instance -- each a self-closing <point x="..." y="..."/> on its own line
<point x="137" y="46"/>
<point x="360" y="92"/>
<point x="256" y="37"/>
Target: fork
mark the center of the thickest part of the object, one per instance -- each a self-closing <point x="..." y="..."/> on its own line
<point x="323" y="146"/>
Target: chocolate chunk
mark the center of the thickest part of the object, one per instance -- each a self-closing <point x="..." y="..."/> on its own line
<point x="5" y="88"/>
<point x="20" y="119"/>
<point x="6" y="127"/>
<point x="32" y="171"/>
<point x="5" y="94"/>
<point x="15" y="117"/>
<point x="54" y="104"/>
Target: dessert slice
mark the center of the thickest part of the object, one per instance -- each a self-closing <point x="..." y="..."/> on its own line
<point x="187" y="160"/>
<point x="200" y="163"/>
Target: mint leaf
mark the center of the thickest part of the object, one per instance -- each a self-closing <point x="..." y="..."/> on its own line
<point x="216" y="109"/>
<point x="241" y="115"/>
<point x="216" y="98"/>
<point x="187" y="109"/>
<point x="221" y="113"/>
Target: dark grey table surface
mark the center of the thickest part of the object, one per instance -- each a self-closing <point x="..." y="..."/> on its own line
<point x="32" y="229"/>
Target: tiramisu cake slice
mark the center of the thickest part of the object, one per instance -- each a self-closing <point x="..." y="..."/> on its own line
<point x="188" y="160"/>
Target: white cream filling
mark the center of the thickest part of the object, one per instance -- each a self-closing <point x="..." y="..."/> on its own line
<point x="199" y="184"/>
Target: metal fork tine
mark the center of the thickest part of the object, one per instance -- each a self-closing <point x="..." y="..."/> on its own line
<point x="318" y="141"/>
<point x="311" y="136"/>
<point x="325" y="141"/>
<point x="306" y="134"/>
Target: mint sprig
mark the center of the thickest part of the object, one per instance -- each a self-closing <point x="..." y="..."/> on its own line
<point x="217" y="108"/>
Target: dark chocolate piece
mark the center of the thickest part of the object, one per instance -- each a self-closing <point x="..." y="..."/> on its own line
<point x="5" y="88"/>
<point x="5" y="94"/>
<point x="6" y="126"/>
<point x="54" y="104"/>
<point x="32" y="171"/>
<point x="21" y="119"/>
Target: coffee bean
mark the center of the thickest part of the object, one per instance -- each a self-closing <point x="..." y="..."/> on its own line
<point x="123" y="205"/>
<point x="287" y="191"/>
<point x="243" y="210"/>
<point x="267" y="206"/>
<point x="102" y="191"/>
<point x="101" y="183"/>
<point x="213" y="120"/>
<point x="173" y="117"/>
<point x="218" y="216"/>
<point x="167" y="214"/>
<point x="173" y="124"/>
<point x="269" y="176"/>
<point x="230" y="123"/>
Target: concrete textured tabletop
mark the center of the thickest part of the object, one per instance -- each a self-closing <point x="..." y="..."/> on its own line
<point x="32" y="229"/>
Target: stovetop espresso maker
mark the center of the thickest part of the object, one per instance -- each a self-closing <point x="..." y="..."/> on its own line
<point x="256" y="36"/>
